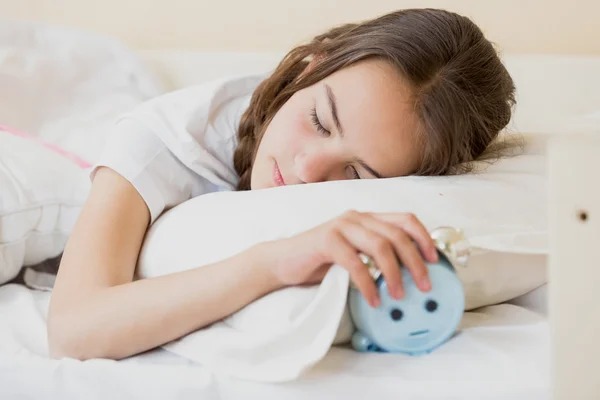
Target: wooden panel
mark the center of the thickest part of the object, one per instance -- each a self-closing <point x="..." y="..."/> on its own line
<point x="574" y="265"/>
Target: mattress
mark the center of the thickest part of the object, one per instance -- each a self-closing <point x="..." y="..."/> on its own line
<point x="501" y="352"/>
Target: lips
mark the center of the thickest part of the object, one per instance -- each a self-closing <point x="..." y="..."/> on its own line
<point x="277" y="178"/>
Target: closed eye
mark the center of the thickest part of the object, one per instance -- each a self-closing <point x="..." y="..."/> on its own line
<point x="353" y="173"/>
<point x="333" y="109"/>
<point x="317" y="123"/>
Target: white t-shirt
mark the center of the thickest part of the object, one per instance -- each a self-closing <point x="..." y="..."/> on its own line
<point x="181" y="144"/>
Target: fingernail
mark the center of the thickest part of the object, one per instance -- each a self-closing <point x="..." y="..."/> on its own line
<point x="425" y="284"/>
<point x="434" y="256"/>
<point x="375" y="301"/>
<point x="399" y="293"/>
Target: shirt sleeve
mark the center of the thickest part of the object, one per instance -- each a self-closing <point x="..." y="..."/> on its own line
<point x="137" y="154"/>
<point x="181" y="144"/>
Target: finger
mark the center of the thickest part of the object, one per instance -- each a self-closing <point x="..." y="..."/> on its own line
<point x="380" y="248"/>
<point x="398" y="240"/>
<point x="409" y="255"/>
<point x="346" y="255"/>
<point x="389" y="262"/>
<point x="415" y="229"/>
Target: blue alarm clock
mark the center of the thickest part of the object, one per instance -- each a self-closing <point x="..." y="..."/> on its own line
<point x="421" y="321"/>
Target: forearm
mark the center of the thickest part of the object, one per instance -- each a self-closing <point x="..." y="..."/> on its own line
<point x="127" y="319"/>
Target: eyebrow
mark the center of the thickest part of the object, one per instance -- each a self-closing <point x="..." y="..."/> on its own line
<point x="336" y="120"/>
<point x="333" y="108"/>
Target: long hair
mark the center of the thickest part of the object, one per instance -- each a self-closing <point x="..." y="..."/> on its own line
<point x="461" y="92"/>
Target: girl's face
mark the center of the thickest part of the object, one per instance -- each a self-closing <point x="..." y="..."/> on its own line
<point x="357" y="123"/>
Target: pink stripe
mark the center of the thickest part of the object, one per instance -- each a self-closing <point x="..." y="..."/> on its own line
<point x="74" y="158"/>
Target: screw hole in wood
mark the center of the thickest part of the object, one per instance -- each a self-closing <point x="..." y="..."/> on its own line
<point x="582" y="215"/>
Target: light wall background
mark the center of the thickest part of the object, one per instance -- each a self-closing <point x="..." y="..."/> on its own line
<point x="517" y="26"/>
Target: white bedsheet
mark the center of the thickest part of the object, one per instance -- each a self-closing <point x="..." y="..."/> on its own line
<point x="502" y="352"/>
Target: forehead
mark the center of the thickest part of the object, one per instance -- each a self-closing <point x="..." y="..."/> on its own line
<point x="375" y="108"/>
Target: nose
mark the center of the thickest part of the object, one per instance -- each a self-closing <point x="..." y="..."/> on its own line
<point x="315" y="164"/>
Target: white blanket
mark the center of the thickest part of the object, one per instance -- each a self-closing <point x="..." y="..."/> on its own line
<point x="502" y="353"/>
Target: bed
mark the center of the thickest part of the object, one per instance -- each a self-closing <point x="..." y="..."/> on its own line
<point x="503" y="354"/>
<point x="515" y="350"/>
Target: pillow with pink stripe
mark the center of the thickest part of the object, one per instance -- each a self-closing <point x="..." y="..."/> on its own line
<point x="73" y="157"/>
<point x="42" y="190"/>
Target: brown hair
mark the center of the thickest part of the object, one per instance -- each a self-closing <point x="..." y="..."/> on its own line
<point x="462" y="93"/>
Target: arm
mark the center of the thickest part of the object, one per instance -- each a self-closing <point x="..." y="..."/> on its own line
<point x="96" y="311"/>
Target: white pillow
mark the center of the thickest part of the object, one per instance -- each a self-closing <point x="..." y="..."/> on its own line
<point x="67" y="86"/>
<point x="502" y="211"/>
<point x="41" y="194"/>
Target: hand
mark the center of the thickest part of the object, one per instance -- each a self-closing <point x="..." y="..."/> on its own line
<point x="305" y="258"/>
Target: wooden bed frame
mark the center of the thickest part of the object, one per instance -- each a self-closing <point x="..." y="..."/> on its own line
<point x="574" y="268"/>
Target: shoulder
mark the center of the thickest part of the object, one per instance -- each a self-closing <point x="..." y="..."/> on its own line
<point x="196" y="124"/>
<point x="201" y="98"/>
<point x="196" y="113"/>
